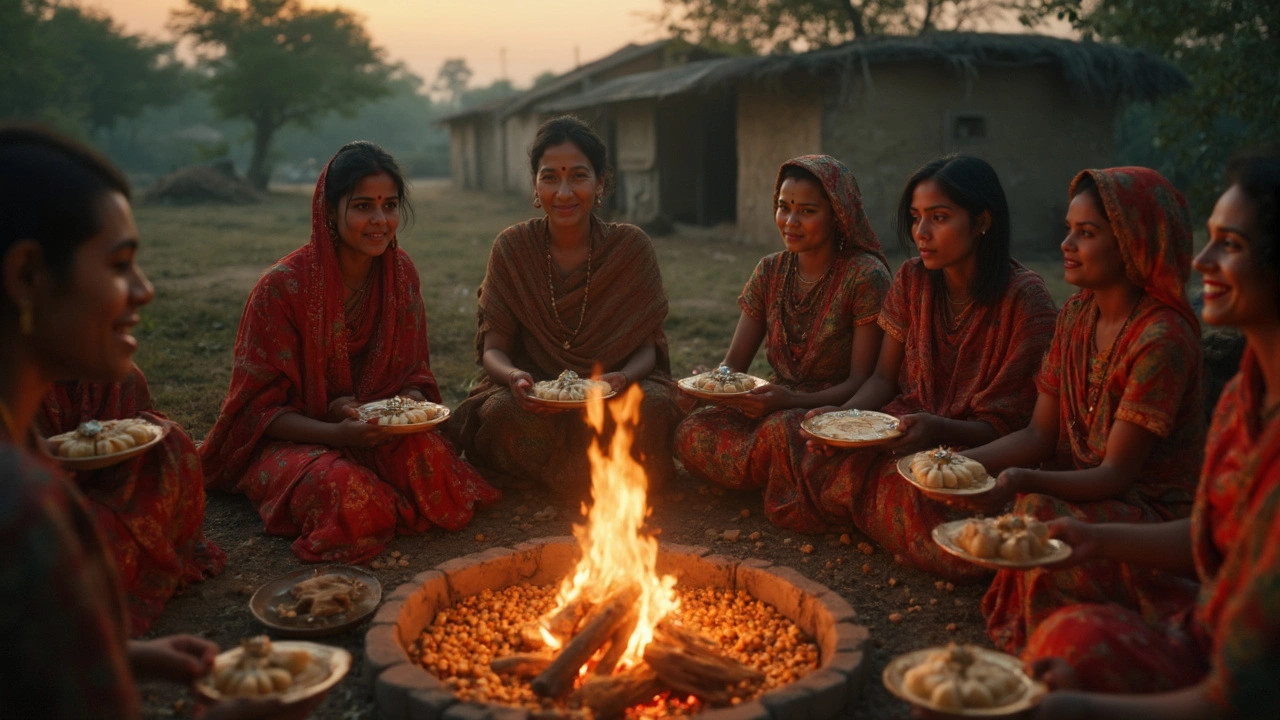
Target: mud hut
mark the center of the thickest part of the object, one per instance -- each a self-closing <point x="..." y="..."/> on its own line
<point x="1038" y="108"/>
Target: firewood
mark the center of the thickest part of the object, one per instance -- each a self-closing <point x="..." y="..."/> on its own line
<point x="618" y="643"/>
<point x="525" y="665"/>
<point x="609" y="696"/>
<point x="693" y="664"/>
<point x="565" y="623"/>
<point x="596" y="630"/>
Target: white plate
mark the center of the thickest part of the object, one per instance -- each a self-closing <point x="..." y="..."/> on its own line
<point x="853" y="428"/>
<point x="96" y="462"/>
<point x="904" y="469"/>
<point x="329" y="664"/>
<point x="946" y="533"/>
<point x="1032" y="690"/>
<point x="686" y="385"/>
<point x="441" y="413"/>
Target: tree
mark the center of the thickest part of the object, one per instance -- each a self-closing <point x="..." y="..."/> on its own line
<point x="276" y="63"/>
<point x="1230" y="49"/>
<point x="452" y="80"/>
<point x="792" y="25"/>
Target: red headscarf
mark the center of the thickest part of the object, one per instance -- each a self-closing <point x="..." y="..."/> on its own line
<point x="1153" y="228"/>
<point x="294" y="351"/>
<point x="854" y="230"/>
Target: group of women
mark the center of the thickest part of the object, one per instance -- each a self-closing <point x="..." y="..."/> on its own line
<point x="1091" y="416"/>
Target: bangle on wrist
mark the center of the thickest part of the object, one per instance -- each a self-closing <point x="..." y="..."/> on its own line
<point x="511" y="375"/>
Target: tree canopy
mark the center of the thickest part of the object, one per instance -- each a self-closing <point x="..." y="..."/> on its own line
<point x="276" y="63"/>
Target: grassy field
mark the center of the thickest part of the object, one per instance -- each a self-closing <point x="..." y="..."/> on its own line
<point x="204" y="261"/>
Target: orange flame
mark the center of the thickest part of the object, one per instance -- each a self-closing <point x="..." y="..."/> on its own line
<point x="615" y="552"/>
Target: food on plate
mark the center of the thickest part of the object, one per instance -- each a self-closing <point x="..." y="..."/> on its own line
<point x="852" y="426"/>
<point x="399" y="411"/>
<point x="322" y="596"/>
<point x="106" y="437"/>
<point x="1017" y="538"/>
<point x="260" y="670"/>
<point x="943" y="469"/>
<point x="956" y="678"/>
<point x="723" y="380"/>
<point x="568" y="388"/>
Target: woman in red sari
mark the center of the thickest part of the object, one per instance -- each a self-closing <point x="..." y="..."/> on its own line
<point x="337" y="323"/>
<point x="1221" y="656"/>
<point x="150" y="508"/>
<point x="1117" y="431"/>
<point x="567" y="291"/>
<point x="965" y="328"/>
<point x="70" y="292"/>
<point x="814" y="306"/>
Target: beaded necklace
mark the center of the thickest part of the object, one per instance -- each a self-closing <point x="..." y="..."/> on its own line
<point x="586" y="291"/>
<point x="799" y="309"/>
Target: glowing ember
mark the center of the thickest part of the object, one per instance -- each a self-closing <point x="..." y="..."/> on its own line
<point x="616" y="554"/>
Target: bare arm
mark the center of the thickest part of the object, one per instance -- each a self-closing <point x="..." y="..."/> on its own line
<point x="497" y="364"/>
<point x="346" y="429"/>
<point x="745" y="343"/>
<point x="1163" y="545"/>
<point x="638" y="365"/>
<point x="1027" y="447"/>
<point x="882" y="386"/>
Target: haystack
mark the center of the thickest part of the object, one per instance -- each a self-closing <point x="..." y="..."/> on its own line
<point x="201" y="184"/>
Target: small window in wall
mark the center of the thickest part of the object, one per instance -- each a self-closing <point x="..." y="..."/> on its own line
<point x="968" y="128"/>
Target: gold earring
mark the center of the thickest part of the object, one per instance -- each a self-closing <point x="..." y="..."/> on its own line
<point x="26" y="322"/>
<point x="537" y="201"/>
<point x="599" y="199"/>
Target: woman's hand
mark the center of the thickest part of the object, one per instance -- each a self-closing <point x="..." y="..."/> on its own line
<point x="814" y="444"/>
<point x="617" y="380"/>
<point x="342" y="408"/>
<point x="521" y="383"/>
<point x="413" y="393"/>
<point x="920" y="431"/>
<point x="1083" y="538"/>
<point x="762" y="400"/>
<point x="174" y="658"/>
<point x="354" y="432"/>
<point x="1008" y="484"/>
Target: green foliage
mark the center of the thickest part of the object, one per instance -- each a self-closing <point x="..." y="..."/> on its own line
<point x="79" y="69"/>
<point x="772" y="26"/>
<point x="452" y="80"/>
<point x="276" y="63"/>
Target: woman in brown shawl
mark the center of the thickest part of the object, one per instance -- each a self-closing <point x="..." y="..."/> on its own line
<point x="567" y="292"/>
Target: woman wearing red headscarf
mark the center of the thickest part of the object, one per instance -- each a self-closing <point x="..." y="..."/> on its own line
<point x="1220" y="657"/>
<point x="814" y="306"/>
<point x="337" y="323"/>
<point x="1118" y="430"/>
<point x="150" y="508"/>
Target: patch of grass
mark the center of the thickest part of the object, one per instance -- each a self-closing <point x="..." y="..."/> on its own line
<point x="205" y="260"/>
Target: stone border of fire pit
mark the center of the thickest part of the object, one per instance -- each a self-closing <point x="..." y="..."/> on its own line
<point x="404" y="691"/>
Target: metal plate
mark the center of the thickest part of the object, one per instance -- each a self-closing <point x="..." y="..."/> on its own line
<point x="1032" y="690"/>
<point x="833" y="428"/>
<point x="442" y="413"/>
<point x="946" y="533"/>
<point x="330" y="664"/>
<point x="275" y="592"/>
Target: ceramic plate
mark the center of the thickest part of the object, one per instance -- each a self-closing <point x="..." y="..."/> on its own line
<point x="265" y="603"/>
<point x="441" y="414"/>
<point x="328" y="666"/>
<point x="853" y="428"/>
<point x="904" y="469"/>
<point x="686" y="385"/>
<point x="1032" y="690"/>
<point x="946" y="533"/>
<point x="100" y="461"/>
<point x="609" y="392"/>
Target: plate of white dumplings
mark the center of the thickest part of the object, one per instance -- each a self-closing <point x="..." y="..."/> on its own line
<point x="1008" y="542"/>
<point x="942" y="471"/>
<point x="719" y="383"/>
<point x="291" y="670"/>
<point x="963" y="680"/>
<point x="569" y="390"/>
<point x="402" y="415"/>
<point x="101" y="443"/>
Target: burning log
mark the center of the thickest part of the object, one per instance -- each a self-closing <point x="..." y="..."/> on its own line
<point x="609" y="696"/>
<point x="618" y="644"/>
<point x="692" y="664"/>
<point x="525" y="665"/>
<point x="597" y="628"/>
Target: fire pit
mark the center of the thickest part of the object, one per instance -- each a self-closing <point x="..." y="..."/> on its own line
<point x="403" y="690"/>
<point x="612" y="640"/>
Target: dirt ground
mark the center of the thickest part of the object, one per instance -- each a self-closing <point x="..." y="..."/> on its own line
<point x="187" y="337"/>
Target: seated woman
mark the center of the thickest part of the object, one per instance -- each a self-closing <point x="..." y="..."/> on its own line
<point x="1221" y="656"/>
<point x="289" y="436"/>
<point x="814" y="306"/>
<point x="70" y="291"/>
<point x="965" y="328"/>
<point x="1118" y="427"/>
<point x="567" y="292"/>
<point x="151" y="507"/>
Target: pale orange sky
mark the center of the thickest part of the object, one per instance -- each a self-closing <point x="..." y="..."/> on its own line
<point x="538" y="36"/>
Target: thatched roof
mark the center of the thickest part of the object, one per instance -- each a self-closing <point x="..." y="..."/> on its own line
<point x="1096" y="71"/>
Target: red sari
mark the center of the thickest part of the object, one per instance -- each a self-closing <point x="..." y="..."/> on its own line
<point x="150" y="509"/>
<point x="980" y="372"/>
<point x="1232" y="634"/>
<point x="1153" y="381"/>
<point x="808" y="342"/>
<point x="295" y="352"/>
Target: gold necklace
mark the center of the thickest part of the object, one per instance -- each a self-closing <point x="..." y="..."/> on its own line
<point x="586" y="291"/>
<point x="1096" y="391"/>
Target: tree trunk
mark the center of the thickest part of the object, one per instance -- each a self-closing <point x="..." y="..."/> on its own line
<point x="855" y="18"/>
<point x="259" y="170"/>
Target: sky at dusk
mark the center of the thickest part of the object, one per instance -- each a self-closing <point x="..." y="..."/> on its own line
<point x="537" y="36"/>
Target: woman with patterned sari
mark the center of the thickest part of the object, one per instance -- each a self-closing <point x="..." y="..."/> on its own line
<point x="567" y="292"/>
<point x="151" y="507"/>
<point x="1117" y="432"/>
<point x="814" y="306"/>
<point x="70" y="292"/>
<point x="334" y="324"/>
<point x="965" y="328"/>
<point x="1220" y="657"/>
